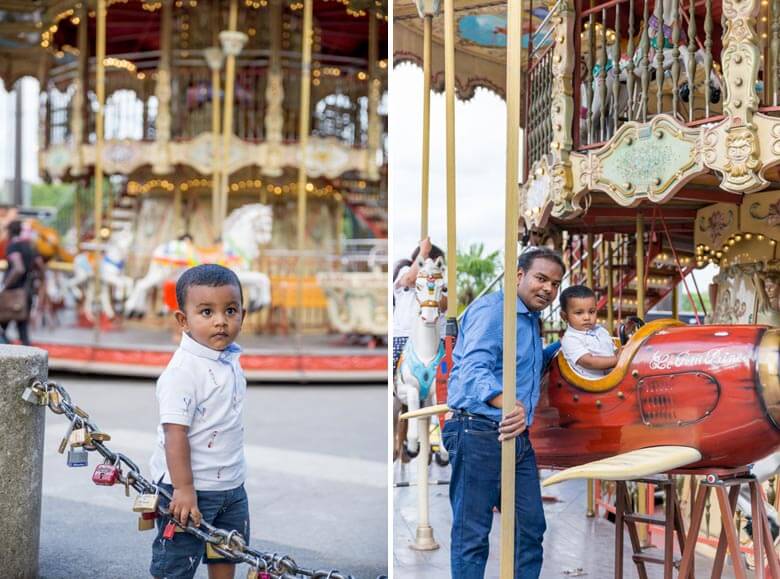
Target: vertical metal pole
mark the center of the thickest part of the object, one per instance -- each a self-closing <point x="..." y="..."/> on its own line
<point x="227" y="124"/>
<point x="303" y="143"/>
<point x="449" y="99"/>
<point x="100" y="91"/>
<point x="374" y="84"/>
<point x="675" y="302"/>
<point x="514" y="159"/>
<point x="640" y="312"/>
<point x="589" y="261"/>
<point x="18" y="143"/>
<point x="426" y="141"/>
<point x="216" y="178"/>
<point x="610" y="291"/>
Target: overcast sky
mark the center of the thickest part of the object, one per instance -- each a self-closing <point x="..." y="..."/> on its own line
<point x="480" y="152"/>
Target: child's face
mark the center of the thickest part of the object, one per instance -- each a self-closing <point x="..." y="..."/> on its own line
<point x="212" y="316"/>
<point x="580" y="313"/>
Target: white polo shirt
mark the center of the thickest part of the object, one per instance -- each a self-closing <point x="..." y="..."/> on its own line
<point x="576" y="343"/>
<point x="204" y="389"/>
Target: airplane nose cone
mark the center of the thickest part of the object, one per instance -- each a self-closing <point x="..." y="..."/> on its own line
<point x="769" y="374"/>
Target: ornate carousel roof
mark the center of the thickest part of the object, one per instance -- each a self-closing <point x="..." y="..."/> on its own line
<point x="36" y="34"/>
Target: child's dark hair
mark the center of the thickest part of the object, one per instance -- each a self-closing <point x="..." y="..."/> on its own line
<point x="575" y="292"/>
<point x="435" y="253"/>
<point x="208" y="274"/>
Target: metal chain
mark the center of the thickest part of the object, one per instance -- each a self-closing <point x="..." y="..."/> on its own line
<point x="229" y="544"/>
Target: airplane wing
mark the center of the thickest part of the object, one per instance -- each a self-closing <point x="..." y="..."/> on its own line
<point x="426" y="411"/>
<point x="630" y="465"/>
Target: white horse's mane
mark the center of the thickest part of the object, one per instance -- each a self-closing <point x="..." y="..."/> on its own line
<point x="238" y="214"/>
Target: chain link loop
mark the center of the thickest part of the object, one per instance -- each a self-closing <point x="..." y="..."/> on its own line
<point x="229" y="544"/>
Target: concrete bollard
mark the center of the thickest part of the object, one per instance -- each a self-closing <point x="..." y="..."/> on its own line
<point x="21" y="460"/>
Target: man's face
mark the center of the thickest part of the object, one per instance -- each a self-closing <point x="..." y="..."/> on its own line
<point x="538" y="286"/>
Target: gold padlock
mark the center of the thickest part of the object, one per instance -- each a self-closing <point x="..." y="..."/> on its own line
<point x="251" y="574"/>
<point x="146" y="503"/>
<point x="78" y="437"/>
<point x="145" y="524"/>
<point x="211" y="553"/>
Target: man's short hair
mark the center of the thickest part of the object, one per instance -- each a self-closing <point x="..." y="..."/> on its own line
<point x="575" y="292"/>
<point x="209" y="275"/>
<point x="527" y="258"/>
<point x="14" y="228"/>
<point x="435" y="253"/>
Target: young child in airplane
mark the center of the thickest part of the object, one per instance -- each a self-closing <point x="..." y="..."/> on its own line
<point x="587" y="347"/>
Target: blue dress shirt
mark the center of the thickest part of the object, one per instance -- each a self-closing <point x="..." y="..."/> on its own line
<point x="477" y="360"/>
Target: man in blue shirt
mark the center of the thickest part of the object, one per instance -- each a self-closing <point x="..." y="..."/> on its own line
<point x="473" y="435"/>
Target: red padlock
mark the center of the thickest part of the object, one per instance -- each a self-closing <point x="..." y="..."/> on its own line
<point x="149" y="516"/>
<point x="169" y="530"/>
<point x="105" y="474"/>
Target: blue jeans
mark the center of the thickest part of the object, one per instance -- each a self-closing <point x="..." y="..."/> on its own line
<point x="475" y="488"/>
<point x="179" y="557"/>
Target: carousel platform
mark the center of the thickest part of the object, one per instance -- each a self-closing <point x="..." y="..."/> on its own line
<point x="574" y="545"/>
<point x="145" y="352"/>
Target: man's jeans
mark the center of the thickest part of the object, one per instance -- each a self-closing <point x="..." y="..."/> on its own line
<point x="475" y="488"/>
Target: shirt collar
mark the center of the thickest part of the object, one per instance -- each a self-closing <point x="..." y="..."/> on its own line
<point x="188" y="344"/>
<point x="574" y="330"/>
<point x="522" y="309"/>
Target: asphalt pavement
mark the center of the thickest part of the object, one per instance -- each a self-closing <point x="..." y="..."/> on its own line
<point x="317" y="479"/>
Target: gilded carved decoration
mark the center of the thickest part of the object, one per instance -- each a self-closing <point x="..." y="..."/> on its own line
<point x="715" y="224"/>
<point x="646" y="161"/>
<point x="357" y="302"/>
<point x="549" y="190"/>
<point x="736" y="295"/>
<point x="326" y="157"/>
<point x="740" y="58"/>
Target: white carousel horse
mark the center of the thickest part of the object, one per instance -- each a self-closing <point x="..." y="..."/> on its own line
<point x="114" y="283"/>
<point x="416" y="376"/>
<point x="245" y="229"/>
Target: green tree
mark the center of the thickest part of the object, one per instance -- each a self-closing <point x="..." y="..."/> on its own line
<point x="475" y="271"/>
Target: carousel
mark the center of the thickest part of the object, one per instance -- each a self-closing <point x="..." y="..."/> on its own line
<point x="246" y="133"/>
<point x="647" y="155"/>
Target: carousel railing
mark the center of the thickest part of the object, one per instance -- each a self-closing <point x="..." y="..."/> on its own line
<point x="339" y="99"/>
<point x="616" y="85"/>
<point x="540" y="128"/>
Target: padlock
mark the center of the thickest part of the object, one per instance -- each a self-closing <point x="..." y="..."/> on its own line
<point x="79" y="436"/>
<point x="36" y="396"/>
<point x="169" y="530"/>
<point x="64" y="441"/>
<point x="105" y="474"/>
<point x="146" y="503"/>
<point x="212" y="554"/>
<point x="78" y="457"/>
<point x="146" y="521"/>
<point x="264" y="575"/>
<point x="145" y="524"/>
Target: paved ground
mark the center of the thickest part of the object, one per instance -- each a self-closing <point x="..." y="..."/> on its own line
<point x="574" y="545"/>
<point x="317" y="479"/>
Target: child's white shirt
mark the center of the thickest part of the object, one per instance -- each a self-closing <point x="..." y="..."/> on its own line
<point x="576" y="343"/>
<point x="204" y="389"/>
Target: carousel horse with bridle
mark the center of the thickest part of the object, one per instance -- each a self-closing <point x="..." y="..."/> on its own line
<point x="245" y="229"/>
<point x="416" y="376"/>
<point x="110" y="261"/>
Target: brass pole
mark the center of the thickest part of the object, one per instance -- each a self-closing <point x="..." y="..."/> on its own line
<point x="426" y="140"/>
<point x="216" y="212"/>
<point x="675" y="303"/>
<point x="303" y="142"/>
<point x="227" y="124"/>
<point x="640" y="312"/>
<point x="100" y="91"/>
<point x="589" y="261"/>
<point x="374" y="86"/>
<point x="449" y="97"/>
<point x="514" y="157"/>
<point x="610" y="291"/>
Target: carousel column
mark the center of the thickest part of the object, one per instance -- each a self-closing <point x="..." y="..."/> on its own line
<point x="640" y="312"/>
<point x="22" y="460"/>
<point x="591" y="487"/>
<point x="79" y="112"/>
<point x="303" y="143"/>
<point x="100" y="90"/>
<point x="515" y="158"/>
<point x="214" y="58"/>
<point x="374" y="86"/>
<point x="232" y="42"/>
<point x="162" y="91"/>
<point x="274" y="98"/>
<point x="610" y="292"/>
<point x="424" y="540"/>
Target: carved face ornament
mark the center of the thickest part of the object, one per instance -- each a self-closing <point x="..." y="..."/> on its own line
<point x="742" y="152"/>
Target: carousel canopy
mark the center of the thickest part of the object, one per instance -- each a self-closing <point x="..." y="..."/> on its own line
<point x="36" y="34"/>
